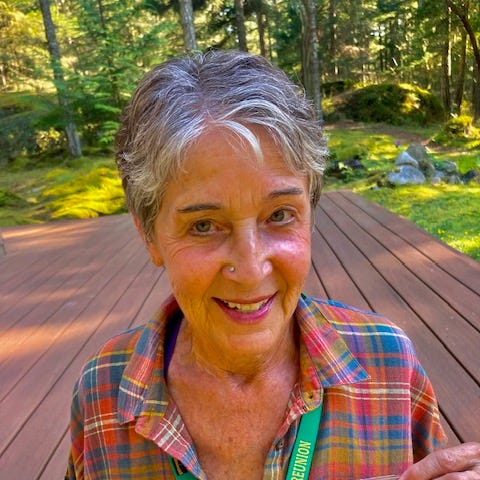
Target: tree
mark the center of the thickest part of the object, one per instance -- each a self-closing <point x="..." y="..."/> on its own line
<point x="446" y="63"/>
<point x="55" y="58"/>
<point x="240" y="25"/>
<point x="188" y="26"/>
<point x="310" y="61"/>
<point x="23" y="59"/>
<point x="459" y="89"/>
<point x="259" y="9"/>
<point x="114" y="44"/>
<point x="462" y="13"/>
<point x="332" y="37"/>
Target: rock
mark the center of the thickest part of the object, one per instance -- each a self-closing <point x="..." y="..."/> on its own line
<point x="447" y="167"/>
<point x="439" y="174"/>
<point x="471" y="176"/>
<point x="407" y="175"/>
<point x="405" y="159"/>
<point x="420" y="154"/>
<point x="355" y="163"/>
<point x="435" y="180"/>
<point x="417" y="151"/>
<point x="453" y="180"/>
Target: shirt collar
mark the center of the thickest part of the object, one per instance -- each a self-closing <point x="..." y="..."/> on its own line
<point x="325" y="361"/>
<point x="143" y="386"/>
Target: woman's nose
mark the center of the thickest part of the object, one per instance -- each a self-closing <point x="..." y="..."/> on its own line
<point x="249" y="255"/>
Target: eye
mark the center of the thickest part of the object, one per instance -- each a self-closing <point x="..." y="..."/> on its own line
<point x="202" y="227"/>
<point x="281" y="216"/>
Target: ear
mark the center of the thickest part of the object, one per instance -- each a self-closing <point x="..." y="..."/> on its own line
<point x="154" y="252"/>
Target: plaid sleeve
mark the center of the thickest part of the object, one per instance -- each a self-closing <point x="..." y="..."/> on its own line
<point x="427" y="432"/>
<point x="75" y="458"/>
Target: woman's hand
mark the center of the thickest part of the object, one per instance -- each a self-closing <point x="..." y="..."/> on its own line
<point x="461" y="462"/>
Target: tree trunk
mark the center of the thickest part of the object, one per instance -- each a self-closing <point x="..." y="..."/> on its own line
<point x="261" y="31"/>
<point x="446" y="65"/>
<point x="310" y="62"/>
<point x="240" y="25"/>
<point x="461" y="74"/>
<point x="332" y="47"/>
<point x="55" y="58"/>
<point x="188" y="26"/>
<point x="476" y="92"/>
<point x="462" y="14"/>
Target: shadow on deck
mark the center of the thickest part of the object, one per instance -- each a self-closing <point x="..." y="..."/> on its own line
<point x="66" y="287"/>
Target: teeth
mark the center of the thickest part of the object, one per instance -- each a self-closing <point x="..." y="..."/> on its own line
<point x="245" y="307"/>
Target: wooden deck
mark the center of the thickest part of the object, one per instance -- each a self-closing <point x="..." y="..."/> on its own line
<point x="66" y="287"/>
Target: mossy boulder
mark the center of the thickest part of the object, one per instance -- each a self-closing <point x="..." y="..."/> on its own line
<point x="391" y="103"/>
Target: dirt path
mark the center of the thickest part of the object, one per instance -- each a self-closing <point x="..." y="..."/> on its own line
<point x="405" y="135"/>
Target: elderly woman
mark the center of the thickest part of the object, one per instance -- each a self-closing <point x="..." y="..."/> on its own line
<point x="239" y="375"/>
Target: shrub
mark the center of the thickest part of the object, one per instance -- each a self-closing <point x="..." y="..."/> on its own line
<point x="20" y="117"/>
<point x="459" y="126"/>
<point x="335" y="87"/>
<point x="395" y="104"/>
<point x="459" y="132"/>
<point x="11" y="199"/>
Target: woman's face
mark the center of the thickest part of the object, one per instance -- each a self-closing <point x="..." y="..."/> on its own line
<point x="225" y="210"/>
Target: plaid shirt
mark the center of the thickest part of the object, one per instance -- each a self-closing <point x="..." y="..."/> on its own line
<point x="379" y="410"/>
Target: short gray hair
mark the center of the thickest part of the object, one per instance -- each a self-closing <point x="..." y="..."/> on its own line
<point x="177" y="101"/>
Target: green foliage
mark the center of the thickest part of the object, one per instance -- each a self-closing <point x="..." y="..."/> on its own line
<point x="22" y="116"/>
<point x="459" y="132"/>
<point x="286" y="37"/>
<point x="336" y="87"/>
<point x="23" y="58"/>
<point x="83" y="188"/>
<point x="459" y="126"/>
<point x="395" y="104"/>
<point x="11" y="199"/>
<point x="449" y="212"/>
<point x="375" y="145"/>
<point x="467" y="162"/>
<point x="83" y="194"/>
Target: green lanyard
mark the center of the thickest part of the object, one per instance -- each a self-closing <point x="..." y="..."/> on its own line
<point x="302" y="454"/>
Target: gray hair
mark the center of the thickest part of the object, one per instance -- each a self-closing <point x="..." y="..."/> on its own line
<point x="177" y="101"/>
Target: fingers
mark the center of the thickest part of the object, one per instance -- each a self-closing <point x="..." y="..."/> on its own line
<point x="460" y="462"/>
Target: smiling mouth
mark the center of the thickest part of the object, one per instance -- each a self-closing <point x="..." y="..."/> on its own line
<point x="246" y="307"/>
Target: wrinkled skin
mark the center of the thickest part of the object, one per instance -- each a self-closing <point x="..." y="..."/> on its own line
<point x="461" y="462"/>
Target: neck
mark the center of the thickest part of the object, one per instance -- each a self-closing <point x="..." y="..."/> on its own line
<point x="199" y="355"/>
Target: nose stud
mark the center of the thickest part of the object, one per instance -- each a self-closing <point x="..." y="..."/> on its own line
<point x="231" y="268"/>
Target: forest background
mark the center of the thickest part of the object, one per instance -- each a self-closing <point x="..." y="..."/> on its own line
<point x="379" y="72"/>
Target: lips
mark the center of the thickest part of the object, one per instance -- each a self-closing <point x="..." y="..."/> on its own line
<point x="245" y="307"/>
<point x="253" y="310"/>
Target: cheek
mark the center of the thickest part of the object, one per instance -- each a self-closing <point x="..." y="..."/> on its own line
<point x="191" y="271"/>
<point x="295" y="254"/>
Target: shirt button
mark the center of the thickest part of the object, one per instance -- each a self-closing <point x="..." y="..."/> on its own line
<point x="280" y="444"/>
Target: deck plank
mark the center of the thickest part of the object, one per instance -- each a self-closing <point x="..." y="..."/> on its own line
<point x="68" y="286"/>
<point x="462" y="267"/>
<point x="405" y="304"/>
<point x="460" y="297"/>
<point x="421" y="297"/>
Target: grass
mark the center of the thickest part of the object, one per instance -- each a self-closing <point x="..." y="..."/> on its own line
<point x="449" y="212"/>
<point x="90" y="187"/>
<point x="84" y="188"/>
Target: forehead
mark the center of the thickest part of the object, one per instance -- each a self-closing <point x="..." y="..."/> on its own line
<point x="222" y="165"/>
<point x="220" y="148"/>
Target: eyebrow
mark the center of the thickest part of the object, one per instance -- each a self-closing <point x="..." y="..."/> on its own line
<point x="286" y="192"/>
<point x="200" y="207"/>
